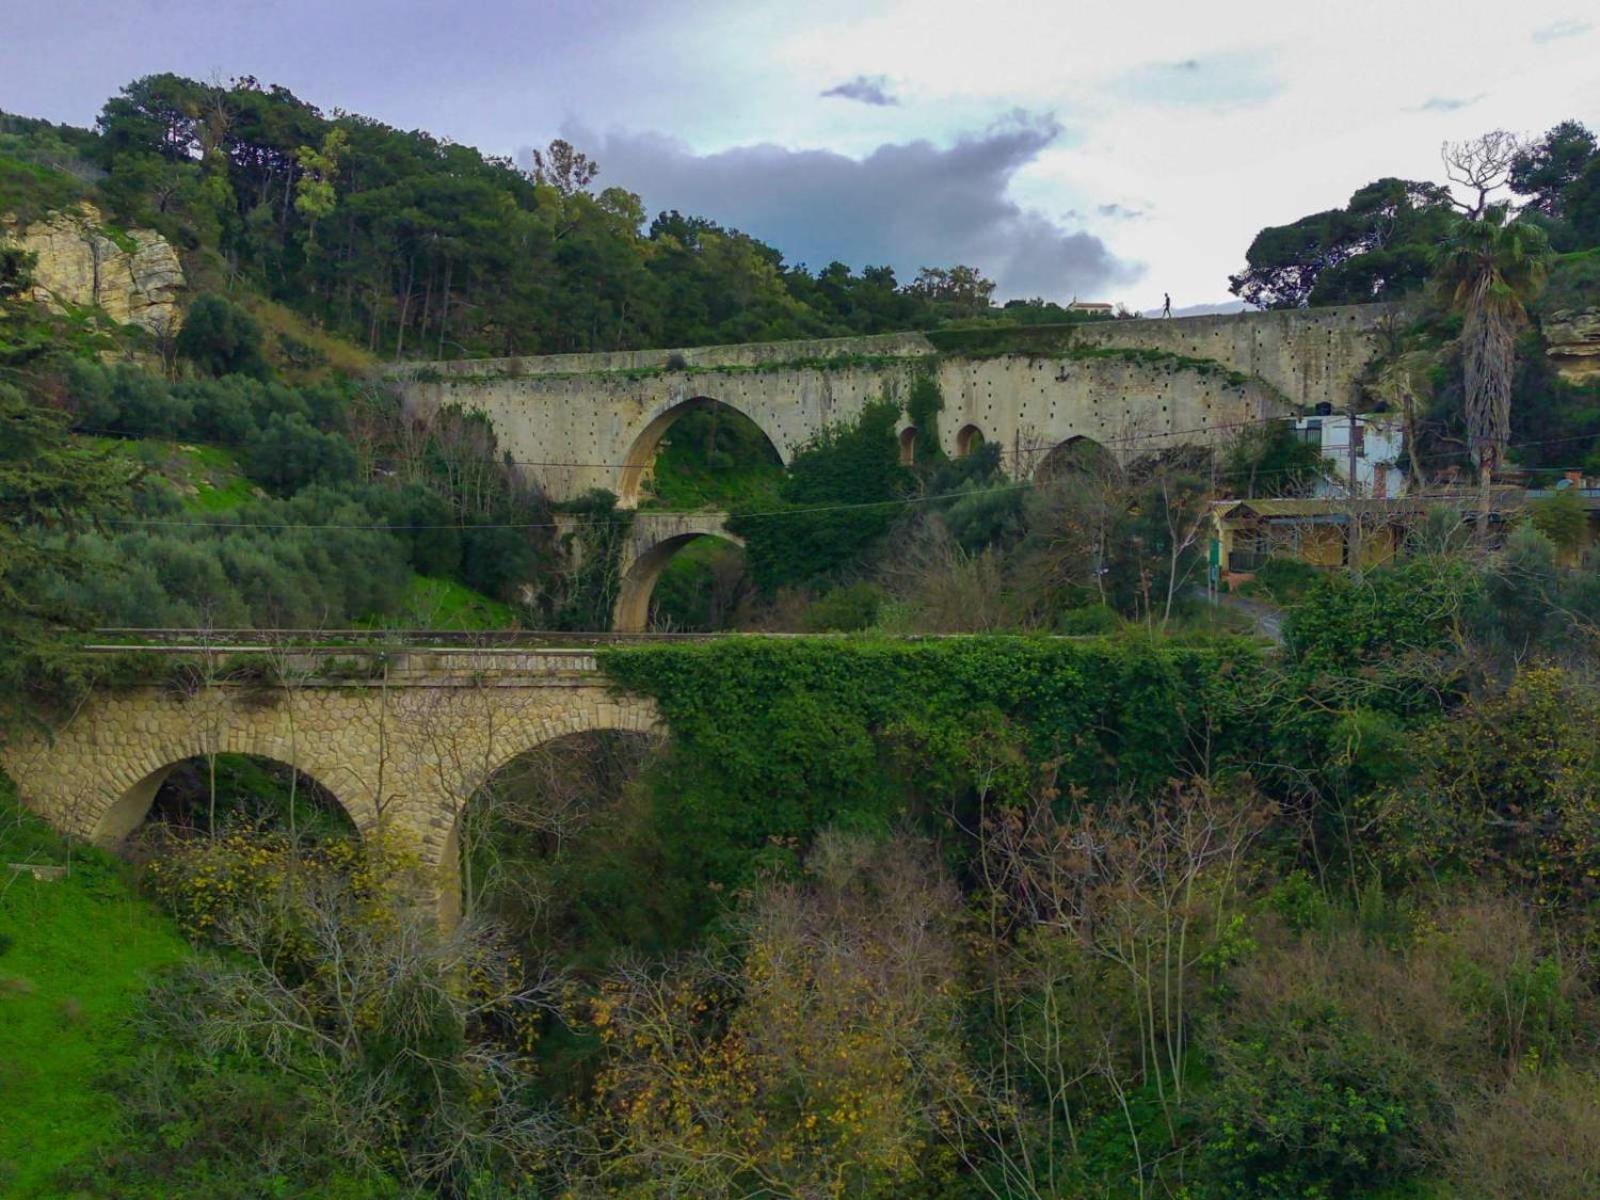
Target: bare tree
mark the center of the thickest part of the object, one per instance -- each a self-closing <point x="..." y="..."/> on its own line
<point x="397" y="1034"/>
<point x="1481" y="166"/>
<point x="1145" y="889"/>
<point x="564" y="167"/>
<point x="812" y="1065"/>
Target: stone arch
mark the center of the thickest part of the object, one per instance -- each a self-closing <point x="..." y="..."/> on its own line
<point x="598" y="717"/>
<point x="908" y="446"/>
<point x="124" y="811"/>
<point x="968" y="439"/>
<point x="641" y="455"/>
<point x="632" y="612"/>
<point x="1075" y="454"/>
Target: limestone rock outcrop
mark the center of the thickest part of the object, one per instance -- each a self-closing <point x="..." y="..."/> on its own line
<point x="134" y="277"/>
<point x="1572" y="340"/>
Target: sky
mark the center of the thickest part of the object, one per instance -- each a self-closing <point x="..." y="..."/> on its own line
<point x="1106" y="151"/>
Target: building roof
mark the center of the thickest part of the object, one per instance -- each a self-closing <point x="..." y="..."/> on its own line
<point x="1318" y="506"/>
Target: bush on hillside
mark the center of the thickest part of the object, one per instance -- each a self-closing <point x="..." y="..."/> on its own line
<point x="221" y="338"/>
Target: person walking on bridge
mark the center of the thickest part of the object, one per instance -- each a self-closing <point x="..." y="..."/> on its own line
<point x="1166" y="305"/>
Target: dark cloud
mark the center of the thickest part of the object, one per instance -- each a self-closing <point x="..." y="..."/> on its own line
<point x="909" y="205"/>
<point x="1557" y="30"/>
<point x="1447" y="103"/>
<point x="868" y="89"/>
<point x="1119" y="212"/>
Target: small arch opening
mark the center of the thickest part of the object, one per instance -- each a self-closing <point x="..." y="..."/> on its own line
<point x="968" y="439"/>
<point x="908" y="446"/>
<point x="704" y="588"/>
<point x="635" y="611"/>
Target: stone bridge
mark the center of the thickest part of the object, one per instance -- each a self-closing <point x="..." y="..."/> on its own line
<point x="582" y="421"/>
<point x="402" y="740"/>
<point x="575" y="422"/>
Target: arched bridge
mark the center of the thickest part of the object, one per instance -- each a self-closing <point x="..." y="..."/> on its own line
<point x="577" y="422"/>
<point x="401" y="739"/>
<point x="583" y="421"/>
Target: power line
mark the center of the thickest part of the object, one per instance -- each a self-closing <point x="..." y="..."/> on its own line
<point x="221" y="524"/>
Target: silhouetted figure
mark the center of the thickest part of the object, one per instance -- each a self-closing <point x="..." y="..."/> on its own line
<point x="1166" y="304"/>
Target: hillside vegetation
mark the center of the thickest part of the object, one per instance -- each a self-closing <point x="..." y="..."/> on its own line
<point x="1096" y="893"/>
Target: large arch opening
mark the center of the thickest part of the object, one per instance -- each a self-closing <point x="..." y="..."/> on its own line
<point x="520" y="845"/>
<point x="205" y="795"/>
<point x="699" y="453"/>
<point x="969" y="438"/>
<point x="634" y="613"/>
<point x="1077" y="456"/>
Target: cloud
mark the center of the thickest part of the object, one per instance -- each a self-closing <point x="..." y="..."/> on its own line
<point x="1446" y="103"/>
<point x="1220" y="82"/>
<point x="909" y="205"/>
<point x="1119" y="212"/>
<point x="868" y="89"/>
<point x="1556" y="30"/>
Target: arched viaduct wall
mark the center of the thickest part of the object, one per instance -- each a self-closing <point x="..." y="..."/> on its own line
<point x="577" y="422"/>
<point x="402" y="750"/>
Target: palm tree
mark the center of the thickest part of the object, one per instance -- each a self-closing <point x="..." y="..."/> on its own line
<point x="1488" y="271"/>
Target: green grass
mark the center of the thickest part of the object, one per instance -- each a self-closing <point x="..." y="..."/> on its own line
<point x="77" y="953"/>
<point x="714" y="459"/>
<point x="219" y="482"/>
<point x="209" y="479"/>
<point x="431" y="603"/>
<point x="30" y="190"/>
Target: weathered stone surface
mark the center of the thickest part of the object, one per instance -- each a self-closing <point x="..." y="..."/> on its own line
<point x="1572" y="340"/>
<point x="136" y="278"/>
<point x="595" y="420"/>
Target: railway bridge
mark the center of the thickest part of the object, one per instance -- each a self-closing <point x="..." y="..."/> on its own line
<point x="401" y="738"/>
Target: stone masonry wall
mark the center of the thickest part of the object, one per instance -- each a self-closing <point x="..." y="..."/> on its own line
<point x="403" y="755"/>
<point x="593" y="421"/>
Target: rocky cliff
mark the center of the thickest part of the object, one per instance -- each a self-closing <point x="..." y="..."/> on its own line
<point x="1572" y="340"/>
<point x="133" y="276"/>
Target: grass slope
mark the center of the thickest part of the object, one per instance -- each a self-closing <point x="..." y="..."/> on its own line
<point x="433" y="603"/>
<point x="75" y="955"/>
<point x="209" y="479"/>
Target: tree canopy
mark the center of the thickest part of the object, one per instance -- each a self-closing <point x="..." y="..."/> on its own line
<point x="412" y="244"/>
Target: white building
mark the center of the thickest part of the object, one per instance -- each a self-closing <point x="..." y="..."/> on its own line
<point x="1379" y="453"/>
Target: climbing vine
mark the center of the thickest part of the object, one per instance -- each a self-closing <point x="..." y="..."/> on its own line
<point x="773" y="740"/>
<point x="585" y="595"/>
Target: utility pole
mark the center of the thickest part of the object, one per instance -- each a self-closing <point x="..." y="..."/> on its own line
<point x="1354" y="539"/>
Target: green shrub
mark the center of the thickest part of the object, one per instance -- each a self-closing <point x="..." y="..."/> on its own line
<point x="1282" y="579"/>
<point x="1090" y="619"/>
<point x="221" y="338"/>
<point x="1398" y="617"/>
<point x="1562" y="518"/>
<point x="845" y="610"/>
<point x="287" y="454"/>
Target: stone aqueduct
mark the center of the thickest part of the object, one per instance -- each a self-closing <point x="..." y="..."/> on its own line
<point x="402" y="744"/>
<point x="580" y="421"/>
